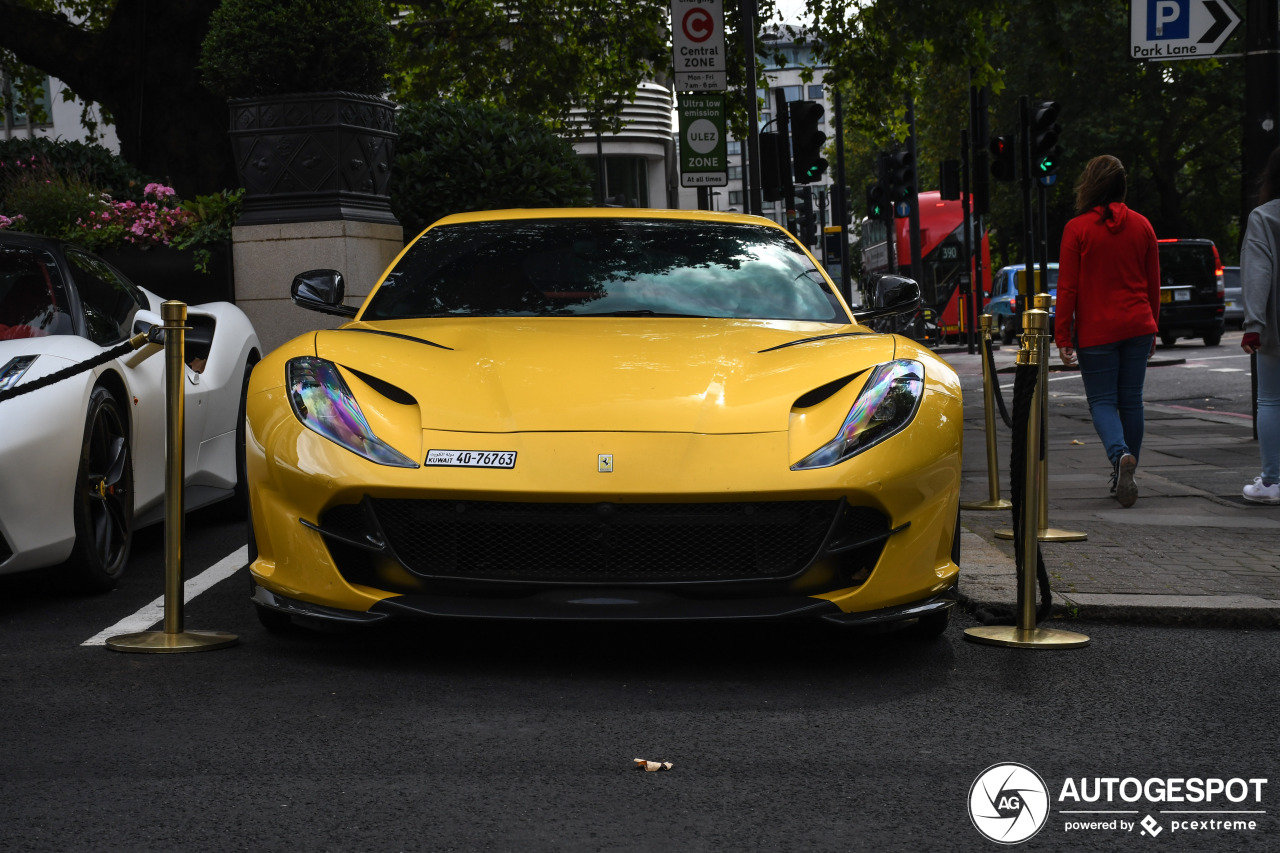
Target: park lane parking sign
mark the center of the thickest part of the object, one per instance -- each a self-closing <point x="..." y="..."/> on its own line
<point x="697" y="45"/>
<point x="1179" y="29"/>
<point x="704" y="161"/>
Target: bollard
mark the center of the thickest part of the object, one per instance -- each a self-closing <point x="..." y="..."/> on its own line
<point x="989" y="413"/>
<point x="173" y="638"/>
<point x="1025" y="634"/>
<point x="1044" y="532"/>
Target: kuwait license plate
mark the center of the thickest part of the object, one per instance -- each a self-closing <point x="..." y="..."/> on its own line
<point x="472" y="458"/>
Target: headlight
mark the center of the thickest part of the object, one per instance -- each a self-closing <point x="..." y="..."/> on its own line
<point x="325" y="405"/>
<point x="14" y="369"/>
<point x="886" y="405"/>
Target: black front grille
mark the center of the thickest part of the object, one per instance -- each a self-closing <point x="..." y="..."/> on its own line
<point x="605" y="543"/>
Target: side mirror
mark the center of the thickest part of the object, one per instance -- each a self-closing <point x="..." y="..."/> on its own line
<point x="321" y="290"/>
<point x="894" y="295"/>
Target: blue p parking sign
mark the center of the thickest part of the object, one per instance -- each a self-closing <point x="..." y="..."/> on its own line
<point x="1168" y="19"/>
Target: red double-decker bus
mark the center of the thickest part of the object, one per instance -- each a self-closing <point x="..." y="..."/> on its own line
<point x="941" y="266"/>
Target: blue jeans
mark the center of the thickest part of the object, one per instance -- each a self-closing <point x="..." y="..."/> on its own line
<point x="1113" y="375"/>
<point x="1269" y="414"/>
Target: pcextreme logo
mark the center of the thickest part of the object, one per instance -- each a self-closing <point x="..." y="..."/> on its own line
<point x="1009" y="803"/>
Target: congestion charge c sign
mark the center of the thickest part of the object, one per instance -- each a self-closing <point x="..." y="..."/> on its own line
<point x="698" y="25"/>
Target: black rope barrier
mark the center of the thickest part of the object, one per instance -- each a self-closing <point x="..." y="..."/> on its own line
<point x="995" y="386"/>
<point x="1024" y="386"/>
<point x="67" y="372"/>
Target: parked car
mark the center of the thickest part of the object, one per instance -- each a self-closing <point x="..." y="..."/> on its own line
<point x="1192" y="303"/>
<point x="604" y="414"/>
<point x="82" y="460"/>
<point x="1233" y="302"/>
<point x="1006" y="286"/>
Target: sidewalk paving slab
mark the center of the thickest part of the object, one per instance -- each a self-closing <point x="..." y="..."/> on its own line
<point x="1192" y="551"/>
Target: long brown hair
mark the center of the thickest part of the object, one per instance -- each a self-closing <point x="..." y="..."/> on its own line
<point x="1102" y="182"/>
<point x="1269" y="189"/>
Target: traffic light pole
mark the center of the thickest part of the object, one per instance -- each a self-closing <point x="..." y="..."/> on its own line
<point x="1028" y="226"/>
<point x="842" y="203"/>
<point x="752" y="197"/>
<point x="917" y="267"/>
<point x="781" y="118"/>
<point x="966" y="283"/>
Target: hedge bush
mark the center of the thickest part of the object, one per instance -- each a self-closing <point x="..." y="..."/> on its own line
<point x="454" y="157"/>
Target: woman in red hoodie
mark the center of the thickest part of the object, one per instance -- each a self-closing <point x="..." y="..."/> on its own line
<point x="1108" y="302"/>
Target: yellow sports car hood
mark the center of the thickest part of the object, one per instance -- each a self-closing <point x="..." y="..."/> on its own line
<point x="603" y="374"/>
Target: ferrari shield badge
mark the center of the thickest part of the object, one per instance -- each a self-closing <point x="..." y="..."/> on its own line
<point x="606" y="463"/>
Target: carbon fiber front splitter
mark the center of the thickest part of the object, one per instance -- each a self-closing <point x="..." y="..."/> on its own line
<point x="591" y="605"/>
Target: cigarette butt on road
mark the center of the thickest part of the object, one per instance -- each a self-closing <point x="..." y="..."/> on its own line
<point x="1077" y="441"/>
<point x="650" y="766"/>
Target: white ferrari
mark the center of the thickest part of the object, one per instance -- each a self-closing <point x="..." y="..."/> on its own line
<point x="82" y="460"/>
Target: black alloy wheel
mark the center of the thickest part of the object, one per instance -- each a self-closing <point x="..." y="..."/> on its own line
<point x="103" y="500"/>
<point x="1007" y="330"/>
<point x="1213" y="339"/>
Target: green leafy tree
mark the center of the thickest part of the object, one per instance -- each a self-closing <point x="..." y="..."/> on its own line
<point x="456" y="156"/>
<point x="139" y="60"/>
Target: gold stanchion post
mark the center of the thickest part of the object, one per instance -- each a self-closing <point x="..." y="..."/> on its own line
<point x="173" y="638"/>
<point x="1025" y="634"/>
<point x="994" y="501"/>
<point x="1044" y="532"/>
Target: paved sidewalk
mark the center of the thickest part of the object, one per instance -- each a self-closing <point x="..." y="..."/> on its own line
<point x="1191" y="551"/>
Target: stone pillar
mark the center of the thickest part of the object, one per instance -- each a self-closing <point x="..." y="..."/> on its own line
<point x="267" y="257"/>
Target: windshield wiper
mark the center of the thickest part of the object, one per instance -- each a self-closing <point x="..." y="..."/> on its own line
<point x="640" y="312"/>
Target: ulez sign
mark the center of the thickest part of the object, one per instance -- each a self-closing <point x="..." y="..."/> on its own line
<point x="1179" y="29"/>
<point x="704" y="159"/>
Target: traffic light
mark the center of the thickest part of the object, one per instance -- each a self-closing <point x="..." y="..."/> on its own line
<point x="902" y="178"/>
<point x="877" y="201"/>
<point x="807" y="218"/>
<point x="1004" y="164"/>
<point x="1044" y="138"/>
<point x="807" y="141"/>
<point x="773" y="166"/>
<point x="949" y="180"/>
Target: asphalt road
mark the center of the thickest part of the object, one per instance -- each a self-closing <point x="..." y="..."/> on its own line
<point x="522" y="737"/>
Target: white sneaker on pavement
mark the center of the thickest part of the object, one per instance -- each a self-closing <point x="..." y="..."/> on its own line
<point x="1260" y="494"/>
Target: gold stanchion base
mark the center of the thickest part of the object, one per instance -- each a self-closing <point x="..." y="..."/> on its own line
<point x="999" y="503"/>
<point x="159" y="642"/>
<point x="1048" y="534"/>
<point x="1019" y="638"/>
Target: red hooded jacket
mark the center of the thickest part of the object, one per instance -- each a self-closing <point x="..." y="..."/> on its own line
<point x="1108" y="278"/>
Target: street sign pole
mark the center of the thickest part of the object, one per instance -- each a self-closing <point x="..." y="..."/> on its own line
<point x="1261" y="96"/>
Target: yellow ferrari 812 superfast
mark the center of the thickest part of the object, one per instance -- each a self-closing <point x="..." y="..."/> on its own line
<point x="603" y="414"/>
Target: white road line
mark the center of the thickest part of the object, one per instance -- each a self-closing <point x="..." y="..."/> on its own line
<point x="153" y="613"/>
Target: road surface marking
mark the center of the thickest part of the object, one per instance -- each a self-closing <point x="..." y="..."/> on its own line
<point x="153" y="613"/>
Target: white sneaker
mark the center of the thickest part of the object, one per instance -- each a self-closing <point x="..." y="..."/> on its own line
<point x="1261" y="494"/>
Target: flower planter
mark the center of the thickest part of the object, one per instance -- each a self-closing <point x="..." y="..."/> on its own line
<point x="310" y="157"/>
<point x="171" y="274"/>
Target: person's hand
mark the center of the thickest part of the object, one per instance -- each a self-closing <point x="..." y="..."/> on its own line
<point x="1068" y="356"/>
<point x="1152" y="351"/>
<point x="1251" y="342"/>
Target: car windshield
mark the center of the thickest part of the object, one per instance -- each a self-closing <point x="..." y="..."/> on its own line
<point x="605" y="267"/>
<point x="33" y="303"/>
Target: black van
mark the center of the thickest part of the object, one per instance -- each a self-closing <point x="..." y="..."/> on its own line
<point x="1191" y="292"/>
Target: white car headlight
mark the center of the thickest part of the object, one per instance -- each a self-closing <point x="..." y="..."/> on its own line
<point x="13" y="370"/>
<point x="326" y="406"/>
<point x="886" y="405"/>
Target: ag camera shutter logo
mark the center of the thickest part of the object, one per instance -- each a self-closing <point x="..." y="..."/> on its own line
<point x="1008" y="803"/>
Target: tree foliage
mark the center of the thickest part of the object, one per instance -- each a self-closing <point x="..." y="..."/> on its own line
<point x="540" y="57"/>
<point x="1175" y="125"/>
